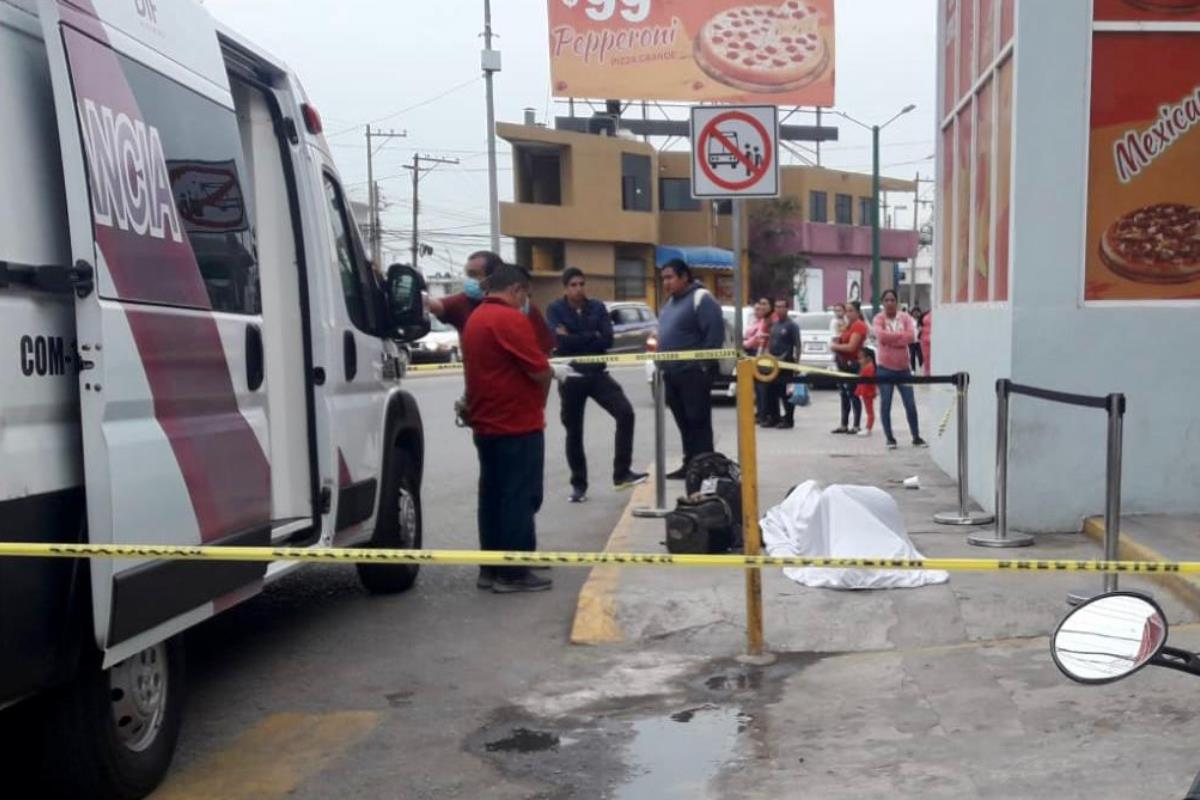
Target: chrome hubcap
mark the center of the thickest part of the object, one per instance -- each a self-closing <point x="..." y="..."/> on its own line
<point x="138" y="692"/>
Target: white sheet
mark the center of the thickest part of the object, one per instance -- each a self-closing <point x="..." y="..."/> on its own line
<point x="843" y="522"/>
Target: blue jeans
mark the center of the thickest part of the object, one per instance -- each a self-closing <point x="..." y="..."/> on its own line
<point x="510" y="493"/>
<point x="885" y="402"/>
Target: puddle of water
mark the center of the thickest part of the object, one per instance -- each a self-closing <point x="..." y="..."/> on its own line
<point x="736" y="682"/>
<point x="674" y="758"/>
<point x="523" y="740"/>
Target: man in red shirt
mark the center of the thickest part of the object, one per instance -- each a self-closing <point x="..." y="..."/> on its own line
<point x="508" y="379"/>
<point x="457" y="308"/>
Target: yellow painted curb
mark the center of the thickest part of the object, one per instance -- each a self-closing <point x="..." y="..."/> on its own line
<point x="1185" y="588"/>
<point x="596" y="610"/>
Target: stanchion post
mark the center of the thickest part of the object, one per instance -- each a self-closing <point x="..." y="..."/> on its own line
<point x="748" y="461"/>
<point x="1002" y="537"/>
<point x="1112" y="489"/>
<point x="660" y="451"/>
<point x="963" y="516"/>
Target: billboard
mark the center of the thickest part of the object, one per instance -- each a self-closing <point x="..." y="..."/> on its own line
<point x="1143" y="225"/>
<point x="729" y="51"/>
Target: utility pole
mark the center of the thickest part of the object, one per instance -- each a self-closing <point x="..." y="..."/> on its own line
<point x="917" y="203"/>
<point x="490" y="61"/>
<point x="374" y="238"/>
<point x="416" y="201"/>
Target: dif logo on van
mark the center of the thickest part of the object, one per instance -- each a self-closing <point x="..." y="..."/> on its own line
<point x="147" y="9"/>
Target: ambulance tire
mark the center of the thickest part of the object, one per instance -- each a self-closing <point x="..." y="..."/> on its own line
<point x="88" y="747"/>
<point x="397" y="528"/>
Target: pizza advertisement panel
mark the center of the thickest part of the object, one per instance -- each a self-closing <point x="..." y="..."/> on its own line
<point x="945" y="226"/>
<point x="950" y="64"/>
<point x="1004" y="141"/>
<point x="1143" y="224"/>
<point x="962" y="221"/>
<point x="982" y="250"/>
<point x="1146" y="10"/>
<point x="727" y="51"/>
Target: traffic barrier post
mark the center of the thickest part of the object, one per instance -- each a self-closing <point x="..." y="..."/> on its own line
<point x="962" y="516"/>
<point x="1002" y="537"/>
<point x="659" y="510"/>
<point x="1115" y="406"/>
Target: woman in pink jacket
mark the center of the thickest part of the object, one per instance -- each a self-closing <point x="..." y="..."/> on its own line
<point x="926" y="337"/>
<point x="895" y="330"/>
<point x="757" y="335"/>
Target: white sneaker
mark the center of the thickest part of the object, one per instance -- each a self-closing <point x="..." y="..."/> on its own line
<point x="864" y="432"/>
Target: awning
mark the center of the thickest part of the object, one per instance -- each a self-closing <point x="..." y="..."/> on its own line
<point x="696" y="257"/>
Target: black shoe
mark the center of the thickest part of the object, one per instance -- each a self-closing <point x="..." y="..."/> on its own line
<point x="891" y="444"/>
<point x="840" y="429"/>
<point x="784" y="425"/>
<point x="629" y="480"/>
<point x="486" y="578"/>
<point x="578" y="495"/>
<point x="678" y="474"/>
<point x="853" y="431"/>
<point x="919" y="442"/>
<point x="526" y="582"/>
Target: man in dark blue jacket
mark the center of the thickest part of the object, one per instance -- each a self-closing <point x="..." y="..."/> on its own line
<point x="582" y="328"/>
<point x="690" y="320"/>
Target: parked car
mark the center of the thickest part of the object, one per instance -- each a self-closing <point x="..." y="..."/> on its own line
<point x="634" y="326"/>
<point x="439" y="346"/>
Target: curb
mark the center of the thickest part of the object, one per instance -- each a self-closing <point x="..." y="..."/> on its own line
<point x="1185" y="588"/>
<point x="596" y="609"/>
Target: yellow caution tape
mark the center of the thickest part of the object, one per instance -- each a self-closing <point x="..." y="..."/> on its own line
<point x="617" y="358"/>
<point x="511" y="559"/>
<point x="946" y="417"/>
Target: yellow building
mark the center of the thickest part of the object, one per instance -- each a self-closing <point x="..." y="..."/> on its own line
<point x="604" y="204"/>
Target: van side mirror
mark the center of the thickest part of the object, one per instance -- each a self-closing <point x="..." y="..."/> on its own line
<point x="406" y="304"/>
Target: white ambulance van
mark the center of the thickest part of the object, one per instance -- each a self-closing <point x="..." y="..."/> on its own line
<point x="193" y="350"/>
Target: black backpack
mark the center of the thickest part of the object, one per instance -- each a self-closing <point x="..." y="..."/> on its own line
<point x="709" y="518"/>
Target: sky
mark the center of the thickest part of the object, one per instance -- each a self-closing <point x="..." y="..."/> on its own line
<point x="413" y="65"/>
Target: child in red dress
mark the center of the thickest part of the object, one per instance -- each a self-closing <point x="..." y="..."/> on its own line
<point x="867" y="391"/>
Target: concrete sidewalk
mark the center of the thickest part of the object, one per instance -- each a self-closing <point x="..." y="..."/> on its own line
<point x="939" y="692"/>
<point x="703" y="611"/>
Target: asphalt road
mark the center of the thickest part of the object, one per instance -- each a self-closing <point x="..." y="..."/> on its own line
<point x="316" y="689"/>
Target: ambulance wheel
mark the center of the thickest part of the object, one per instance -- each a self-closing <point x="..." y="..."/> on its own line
<point x="111" y="733"/>
<point x="398" y="528"/>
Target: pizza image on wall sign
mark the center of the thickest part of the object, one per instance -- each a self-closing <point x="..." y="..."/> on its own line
<point x="1155" y="244"/>
<point x="764" y="47"/>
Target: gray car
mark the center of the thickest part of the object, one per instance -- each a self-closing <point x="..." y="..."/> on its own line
<point x="635" y="327"/>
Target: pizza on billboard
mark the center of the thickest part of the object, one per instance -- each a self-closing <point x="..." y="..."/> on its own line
<point x="694" y="50"/>
<point x="1143" y="239"/>
<point x="1147" y="10"/>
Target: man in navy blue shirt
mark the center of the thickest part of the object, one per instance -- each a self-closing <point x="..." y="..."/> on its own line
<point x="582" y="328"/>
<point x="690" y="320"/>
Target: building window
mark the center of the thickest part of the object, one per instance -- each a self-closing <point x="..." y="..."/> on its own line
<point x="818" y="205"/>
<point x="864" y="211"/>
<point x="630" y="279"/>
<point x="635" y="182"/>
<point x="675" y="194"/>
<point x="539" y="177"/>
<point x="724" y="208"/>
<point x="843" y="209"/>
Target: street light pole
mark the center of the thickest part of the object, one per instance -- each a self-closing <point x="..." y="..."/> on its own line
<point x="490" y="61"/>
<point x="875" y="218"/>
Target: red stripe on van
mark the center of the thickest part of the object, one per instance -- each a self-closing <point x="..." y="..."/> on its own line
<point x="224" y="467"/>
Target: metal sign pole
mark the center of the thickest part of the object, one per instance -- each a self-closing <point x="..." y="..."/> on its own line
<point x="963" y="516"/>
<point x="1002" y="536"/>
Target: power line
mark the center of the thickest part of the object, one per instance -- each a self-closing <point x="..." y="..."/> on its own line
<point x="414" y="107"/>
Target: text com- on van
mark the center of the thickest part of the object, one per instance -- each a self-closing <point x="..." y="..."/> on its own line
<point x="194" y="351"/>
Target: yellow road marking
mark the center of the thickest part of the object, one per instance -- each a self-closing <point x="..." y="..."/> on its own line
<point x="271" y="759"/>
<point x="596" y="610"/>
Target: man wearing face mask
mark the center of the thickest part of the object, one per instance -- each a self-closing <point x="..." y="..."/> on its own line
<point x="457" y="308"/>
